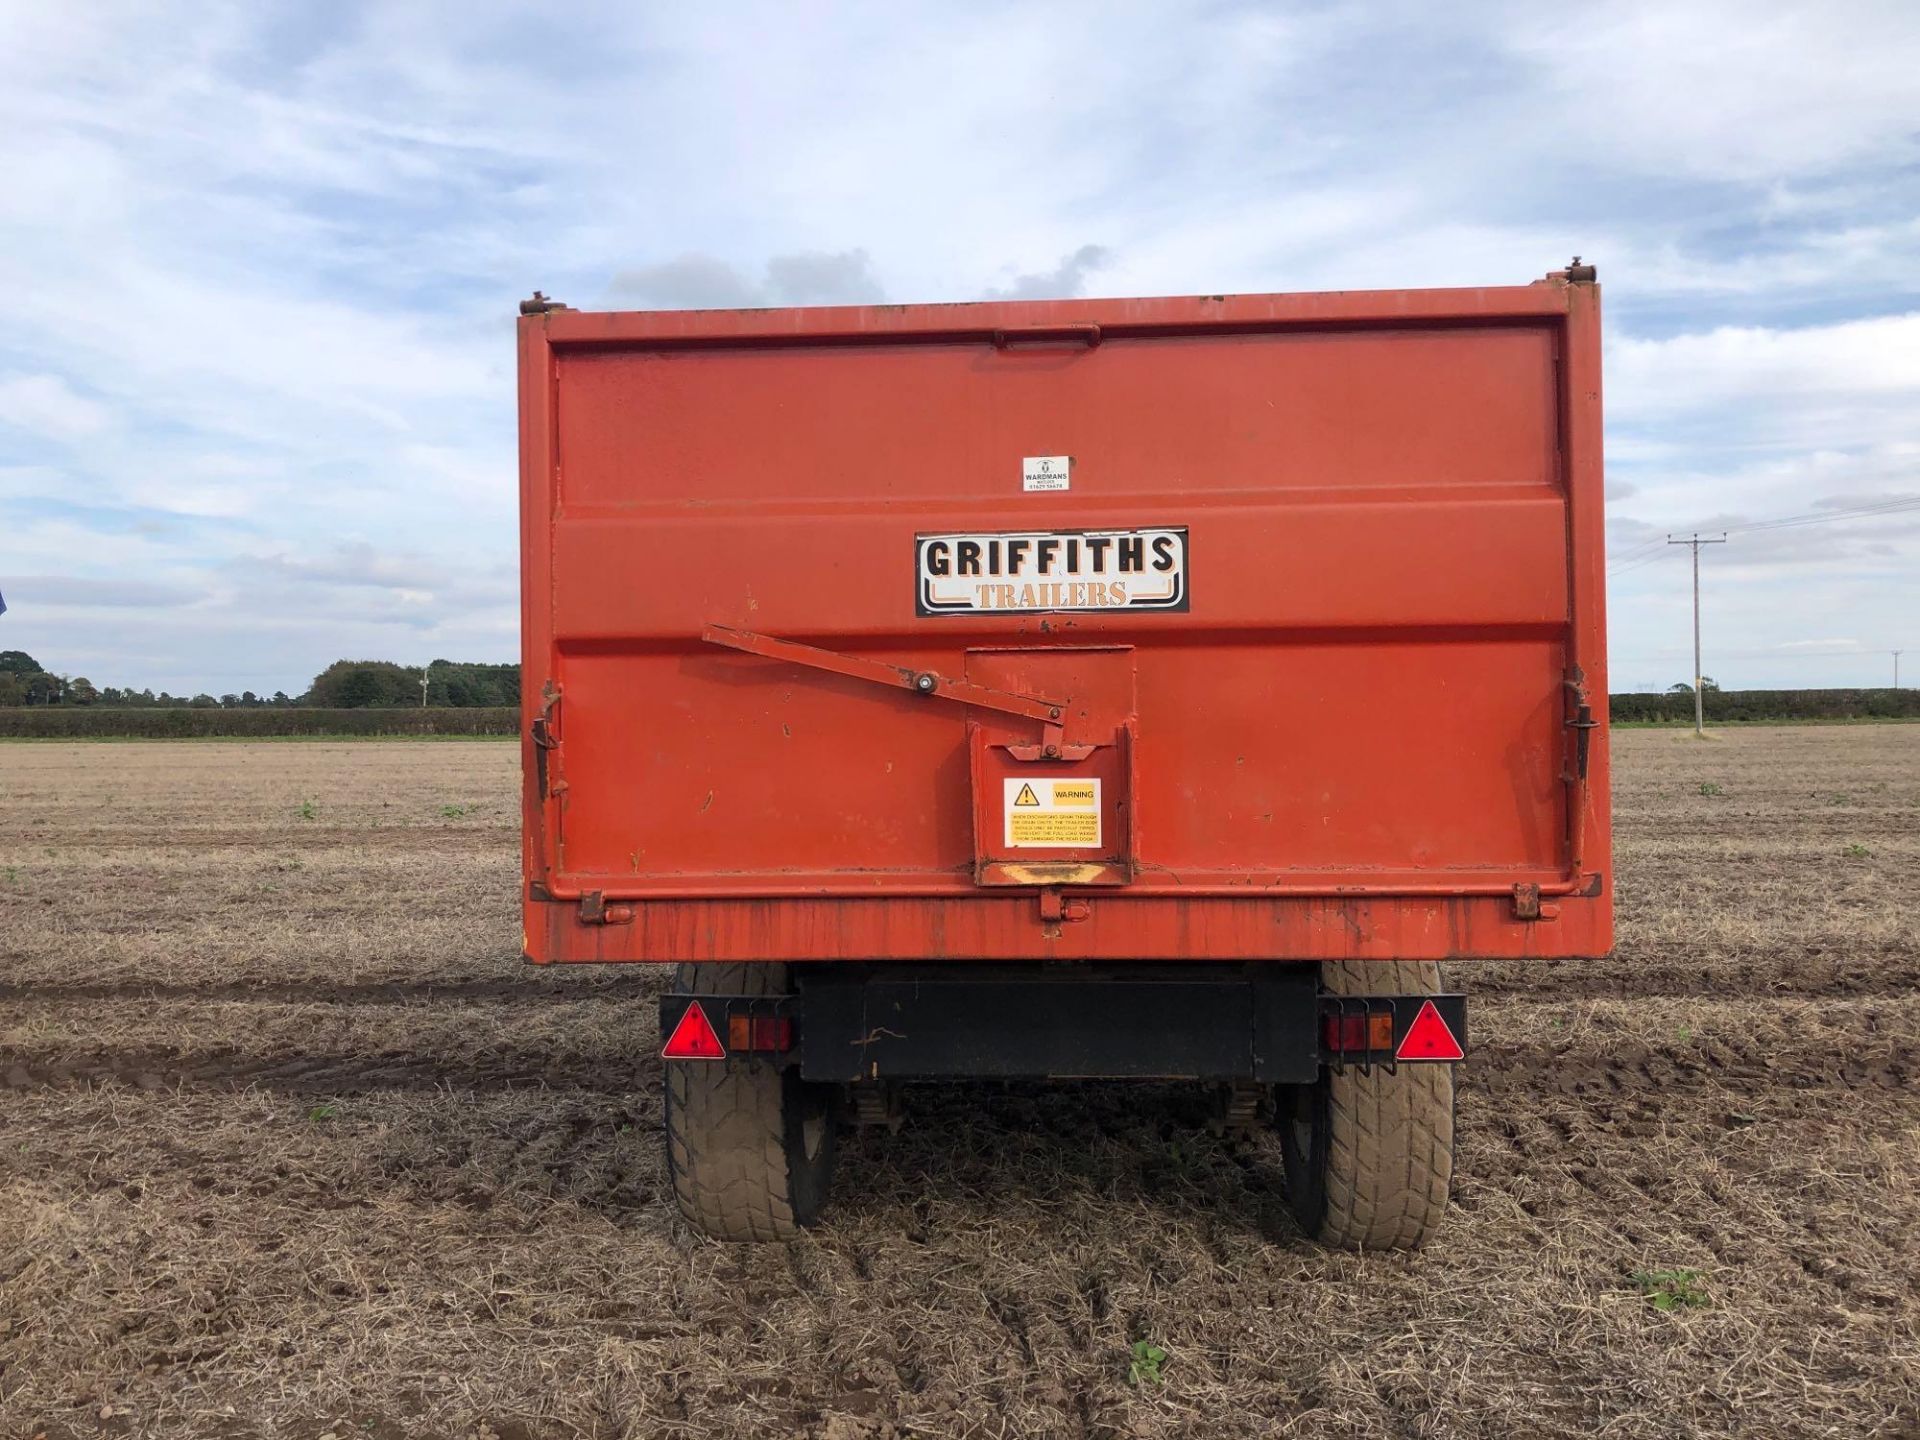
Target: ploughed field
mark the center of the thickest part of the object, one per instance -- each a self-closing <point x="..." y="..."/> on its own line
<point x="292" y="1144"/>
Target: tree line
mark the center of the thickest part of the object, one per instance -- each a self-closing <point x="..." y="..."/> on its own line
<point x="1724" y="707"/>
<point x="343" y="685"/>
<point x="450" y="685"/>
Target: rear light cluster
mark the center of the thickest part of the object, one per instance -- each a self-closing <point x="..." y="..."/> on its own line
<point x="759" y="1032"/>
<point x="694" y="1038"/>
<point x="1357" y="1034"/>
<point x="1372" y="1031"/>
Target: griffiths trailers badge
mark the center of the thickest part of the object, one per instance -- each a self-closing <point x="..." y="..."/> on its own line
<point x="1002" y="571"/>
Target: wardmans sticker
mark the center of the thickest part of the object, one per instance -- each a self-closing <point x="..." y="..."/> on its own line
<point x="1000" y="571"/>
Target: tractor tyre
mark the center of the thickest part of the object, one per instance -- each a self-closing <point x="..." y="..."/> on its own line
<point x="1369" y="1157"/>
<point x="749" y="1144"/>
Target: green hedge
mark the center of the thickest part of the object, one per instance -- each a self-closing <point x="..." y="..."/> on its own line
<point x="79" y="722"/>
<point x="82" y="722"/>
<point x="1724" y="706"/>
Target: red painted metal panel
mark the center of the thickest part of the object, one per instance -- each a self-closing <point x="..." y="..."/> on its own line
<point x="1341" y="412"/>
<point x="1352" y="741"/>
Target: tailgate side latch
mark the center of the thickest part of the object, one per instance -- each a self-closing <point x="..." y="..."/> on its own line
<point x="546" y="744"/>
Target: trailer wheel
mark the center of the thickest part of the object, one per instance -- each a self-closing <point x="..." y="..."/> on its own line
<point x="1369" y="1157"/>
<point x="749" y="1144"/>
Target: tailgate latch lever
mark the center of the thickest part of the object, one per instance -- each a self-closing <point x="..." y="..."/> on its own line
<point x="1050" y="713"/>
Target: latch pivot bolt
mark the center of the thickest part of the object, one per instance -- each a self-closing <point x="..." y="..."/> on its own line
<point x="925" y="682"/>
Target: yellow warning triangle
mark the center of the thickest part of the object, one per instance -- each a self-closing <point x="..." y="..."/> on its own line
<point x="1026" y="796"/>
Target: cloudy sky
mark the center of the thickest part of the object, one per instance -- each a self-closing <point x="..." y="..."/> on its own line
<point x="260" y="264"/>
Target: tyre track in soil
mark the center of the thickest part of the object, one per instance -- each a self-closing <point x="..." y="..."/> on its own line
<point x="134" y="841"/>
<point x="1507" y="1069"/>
<point x="1891" y="971"/>
<point x="1747" y="1063"/>
<point x="583" y="1152"/>
<point x="542" y="989"/>
<point x="310" y="1074"/>
<point x="569" y="1155"/>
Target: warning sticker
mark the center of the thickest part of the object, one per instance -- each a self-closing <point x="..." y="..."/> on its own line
<point x="1053" y="812"/>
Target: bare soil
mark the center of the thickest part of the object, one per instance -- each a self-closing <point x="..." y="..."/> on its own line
<point x="292" y="1144"/>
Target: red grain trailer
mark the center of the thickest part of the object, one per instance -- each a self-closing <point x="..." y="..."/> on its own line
<point x="1108" y="688"/>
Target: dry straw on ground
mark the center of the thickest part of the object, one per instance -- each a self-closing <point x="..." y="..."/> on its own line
<point x="291" y="1144"/>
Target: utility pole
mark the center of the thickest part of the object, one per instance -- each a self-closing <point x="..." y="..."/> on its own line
<point x="1699" y="700"/>
<point x="1896" y="669"/>
<point x="426" y="672"/>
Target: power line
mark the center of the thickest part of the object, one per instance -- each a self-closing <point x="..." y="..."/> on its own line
<point x="1646" y="552"/>
<point x="1895" y="506"/>
<point x="1643" y="548"/>
<point x="1764" y="655"/>
<point x="1637" y="556"/>
<point x="1642" y="563"/>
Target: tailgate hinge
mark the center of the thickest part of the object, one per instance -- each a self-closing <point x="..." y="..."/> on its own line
<point x="1527" y="906"/>
<point x="1056" y="909"/>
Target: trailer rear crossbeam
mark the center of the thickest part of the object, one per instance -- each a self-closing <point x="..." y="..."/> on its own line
<point x="843" y="1026"/>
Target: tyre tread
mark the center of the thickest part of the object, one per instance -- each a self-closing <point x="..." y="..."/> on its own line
<point x="726" y="1126"/>
<point x="1390" y="1142"/>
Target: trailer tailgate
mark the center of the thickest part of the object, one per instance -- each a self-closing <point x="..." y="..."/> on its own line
<point x="1334" y="685"/>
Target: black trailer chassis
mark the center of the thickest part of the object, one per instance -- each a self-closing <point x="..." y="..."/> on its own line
<point x="1267" y="1023"/>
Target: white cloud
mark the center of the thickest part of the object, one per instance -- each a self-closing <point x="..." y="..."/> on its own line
<point x="1062" y="281"/>
<point x="46" y="405"/>
<point x="70" y="592"/>
<point x="1867" y="362"/>
<point x="1732" y="89"/>
<point x="356" y="563"/>
<point x="708" y="282"/>
<point x="1823" y="253"/>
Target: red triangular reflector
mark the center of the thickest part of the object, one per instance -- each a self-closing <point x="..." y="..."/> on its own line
<point x="694" y="1038"/>
<point x="1429" y="1038"/>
